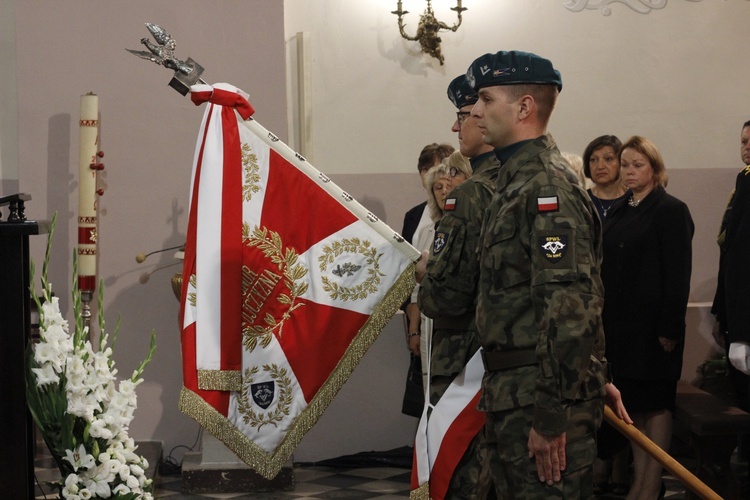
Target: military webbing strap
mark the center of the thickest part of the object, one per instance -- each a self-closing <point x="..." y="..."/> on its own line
<point x="504" y="360"/>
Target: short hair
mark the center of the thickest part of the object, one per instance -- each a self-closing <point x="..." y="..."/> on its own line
<point x="598" y="143"/>
<point x="432" y="154"/>
<point x="456" y="159"/>
<point x="433" y="174"/>
<point x="545" y="97"/>
<point x="648" y="149"/>
<point x="745" y="125"/>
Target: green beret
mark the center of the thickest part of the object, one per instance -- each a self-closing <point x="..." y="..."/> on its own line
<point x="512" y="68"/>
<point x="460" y="92"/>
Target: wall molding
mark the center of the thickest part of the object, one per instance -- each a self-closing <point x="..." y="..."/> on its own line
<point x="640" y="6"/>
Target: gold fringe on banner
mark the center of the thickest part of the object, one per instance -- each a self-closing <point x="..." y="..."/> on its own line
<point x="220" y="380"/>
<point x="269" y="465"/>
<point x="421" y="493"/>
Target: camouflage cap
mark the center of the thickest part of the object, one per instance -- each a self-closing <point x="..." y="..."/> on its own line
<point x="512" y="68"/>
<point x="460" y="92"/>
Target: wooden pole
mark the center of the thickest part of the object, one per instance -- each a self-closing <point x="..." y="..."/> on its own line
<point x="685" y="476"/>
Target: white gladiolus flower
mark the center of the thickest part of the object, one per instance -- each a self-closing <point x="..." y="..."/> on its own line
<point x="70" y="372"/>
<point x="99" y="429"/>
<point x="46" y="375"/>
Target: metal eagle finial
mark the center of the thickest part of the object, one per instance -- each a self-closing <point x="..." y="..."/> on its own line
<point x="186" y="73"/>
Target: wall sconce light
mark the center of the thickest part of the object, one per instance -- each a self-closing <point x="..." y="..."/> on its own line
<point x="428" y="28"/>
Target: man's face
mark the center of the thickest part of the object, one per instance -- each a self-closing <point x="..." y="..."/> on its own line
<point x="470" y="141"/>
<point x="495" y="116"/>
<point x="745" y="145"/>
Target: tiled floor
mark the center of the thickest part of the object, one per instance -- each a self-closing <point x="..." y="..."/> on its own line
<point x="315" y="481"/>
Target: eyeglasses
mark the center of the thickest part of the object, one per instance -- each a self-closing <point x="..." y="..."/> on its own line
<point x="461" y="116"/>
<point x="454" y="171"/>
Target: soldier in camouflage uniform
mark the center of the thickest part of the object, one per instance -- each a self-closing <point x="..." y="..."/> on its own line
<point x="540" y="294"/>
<point x="448" y="290"/>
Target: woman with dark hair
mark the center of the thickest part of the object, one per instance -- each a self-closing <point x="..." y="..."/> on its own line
<point x="601" y="165"/>
<point x="646" y="273"/>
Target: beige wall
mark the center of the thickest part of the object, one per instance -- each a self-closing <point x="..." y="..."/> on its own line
<point x="674" y="75"/>
<point x="148" y="134"/>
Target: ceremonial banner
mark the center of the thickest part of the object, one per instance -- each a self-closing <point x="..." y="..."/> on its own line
<point x="287" y="281"/>
<point x="445" y="432"/>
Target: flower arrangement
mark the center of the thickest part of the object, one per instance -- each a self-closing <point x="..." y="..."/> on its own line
<point x="81" y="410"/>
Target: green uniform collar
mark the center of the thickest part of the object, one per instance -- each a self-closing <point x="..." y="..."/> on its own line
<point x="504" y="154"/>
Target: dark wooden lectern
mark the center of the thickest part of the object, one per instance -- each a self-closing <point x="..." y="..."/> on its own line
<point x="17" y="458"/>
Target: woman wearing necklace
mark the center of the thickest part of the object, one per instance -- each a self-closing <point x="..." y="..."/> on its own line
<point x="647" y="248"/>
<point x="603" y="168"/>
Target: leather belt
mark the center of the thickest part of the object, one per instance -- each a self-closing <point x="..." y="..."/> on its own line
<point x="504" y="360"/>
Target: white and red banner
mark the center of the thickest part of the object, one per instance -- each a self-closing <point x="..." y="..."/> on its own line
<point x="287" y="281"/>
<point x="445" y="431"/>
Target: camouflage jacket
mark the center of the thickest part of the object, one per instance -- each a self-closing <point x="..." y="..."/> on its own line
<point x="540" y="288"/>
<point x="449" y="288"/>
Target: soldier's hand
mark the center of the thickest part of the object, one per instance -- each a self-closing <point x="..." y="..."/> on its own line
<point x="421" y="268"/>
<point x="549" y="452"/>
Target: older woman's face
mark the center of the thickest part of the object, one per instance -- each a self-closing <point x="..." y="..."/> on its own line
<point x="440" y="188"/>
<point x="603" y="166"/>
<point x="637" y="171"/>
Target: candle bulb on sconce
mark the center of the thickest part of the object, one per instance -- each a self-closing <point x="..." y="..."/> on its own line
<point x="428" y="29"/>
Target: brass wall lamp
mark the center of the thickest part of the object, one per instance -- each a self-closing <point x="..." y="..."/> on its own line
<point x="428" y="28"/>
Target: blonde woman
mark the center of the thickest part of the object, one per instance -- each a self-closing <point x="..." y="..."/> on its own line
<point x="439" y="181"/>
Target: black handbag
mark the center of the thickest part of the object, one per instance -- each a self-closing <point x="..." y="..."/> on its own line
<point x="413" y="403"/>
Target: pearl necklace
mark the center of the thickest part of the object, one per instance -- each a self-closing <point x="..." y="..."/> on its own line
<point x="632" y="202"/>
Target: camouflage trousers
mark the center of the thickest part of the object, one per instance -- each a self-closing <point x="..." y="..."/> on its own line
<point x="471" y="479"/>
<point x="514" y="473"/>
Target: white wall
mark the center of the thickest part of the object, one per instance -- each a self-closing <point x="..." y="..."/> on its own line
<point x="675" y="75"/>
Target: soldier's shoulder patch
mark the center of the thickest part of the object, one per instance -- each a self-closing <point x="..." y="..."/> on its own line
<point x="547" y="204"/>
<point x="553" y="247"/>
<point x="450" y="204"/>
<point x="441" y="238"/>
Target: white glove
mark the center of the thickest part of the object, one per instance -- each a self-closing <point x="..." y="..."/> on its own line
<point x="739" y="355"/>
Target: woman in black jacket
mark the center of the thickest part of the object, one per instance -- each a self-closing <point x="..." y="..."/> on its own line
<point x="646" y="273"/>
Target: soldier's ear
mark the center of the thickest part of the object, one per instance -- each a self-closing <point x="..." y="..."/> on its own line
<point x="526" y="105"/>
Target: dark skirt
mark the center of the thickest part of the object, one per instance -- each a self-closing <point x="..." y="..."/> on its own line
<point x="643" y="396"/>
